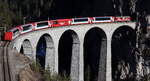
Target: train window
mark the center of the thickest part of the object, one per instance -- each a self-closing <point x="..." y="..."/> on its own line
<point x="15" y="32"/>
<point x="102" y="18"/>
<point x="81" y="20"/>
<point x="27" y="27"/>
<point x="55" y="22"/>
<point x="40" y="24"/>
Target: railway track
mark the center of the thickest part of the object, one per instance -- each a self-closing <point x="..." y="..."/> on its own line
<point x="6" y="66"/>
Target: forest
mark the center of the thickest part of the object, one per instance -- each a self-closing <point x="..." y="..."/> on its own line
<point x="16" y="12"/>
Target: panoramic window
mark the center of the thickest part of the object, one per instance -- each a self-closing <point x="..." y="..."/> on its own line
<point x="15" y="32"/>
<point x="102" y="18"/>
<point x="55" y="22"/>
<point x="42" y="24"/>
<point x="27" y="27"/>
<point x="81" y="20"/>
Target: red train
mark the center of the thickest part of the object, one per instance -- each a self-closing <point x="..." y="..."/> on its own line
<point x="16" y="31"/>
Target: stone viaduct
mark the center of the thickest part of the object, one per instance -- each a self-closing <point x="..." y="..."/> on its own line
<point x="74" y="49"/>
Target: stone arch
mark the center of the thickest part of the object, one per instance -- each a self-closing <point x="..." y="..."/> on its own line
<point x="95" y="52"/>
<point x="122" y="45"/>
<point x="68" y="52"/>
<point x="45" y="52"/>
<point x="27" y="49"/>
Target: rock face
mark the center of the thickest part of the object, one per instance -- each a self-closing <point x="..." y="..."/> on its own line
<point x="23" y="68"/>
<point x="136" y="66"/>
<point x="27" y="74"/>
<point x="133" y="64"/>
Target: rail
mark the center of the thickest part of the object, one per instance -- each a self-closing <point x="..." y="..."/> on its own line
<point x="6" y="66"/>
